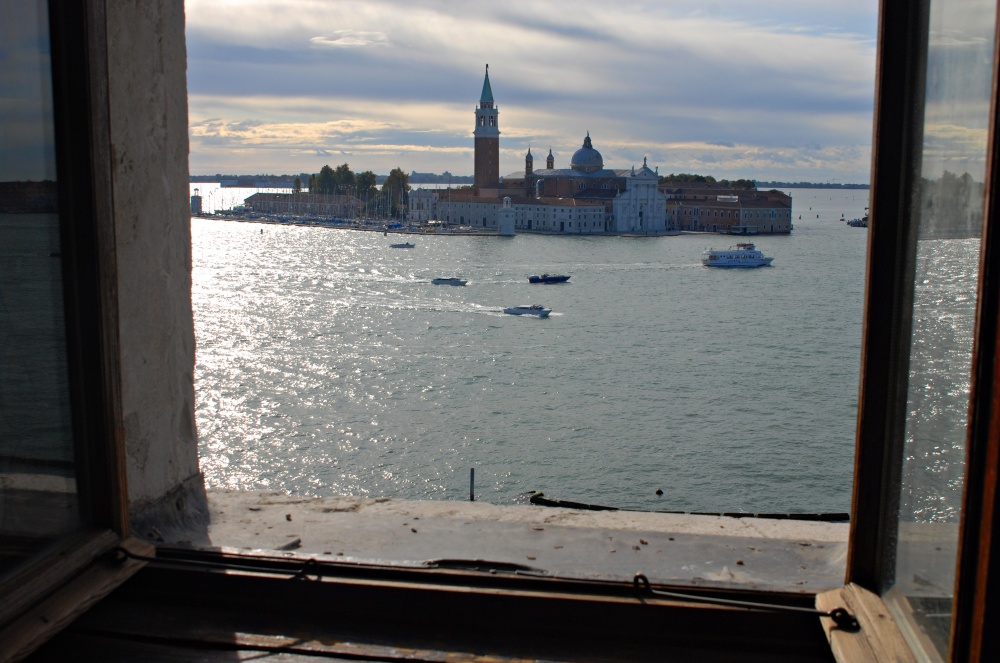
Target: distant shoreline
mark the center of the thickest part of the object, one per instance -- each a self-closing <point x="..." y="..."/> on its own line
<point x="808" y="185"/>
<point x="460" y="181"/>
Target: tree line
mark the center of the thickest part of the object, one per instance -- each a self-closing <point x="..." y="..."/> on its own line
<point x="687" y="178"/>
<point x="363" y="186"/>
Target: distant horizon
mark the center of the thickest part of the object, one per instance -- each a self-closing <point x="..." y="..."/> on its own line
<point x="196" y="179"/>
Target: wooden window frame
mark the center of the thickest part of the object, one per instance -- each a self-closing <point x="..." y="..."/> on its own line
<point x="897" y="141"/>
<point x="81" y="97"/>
<point x="67" y="576"/>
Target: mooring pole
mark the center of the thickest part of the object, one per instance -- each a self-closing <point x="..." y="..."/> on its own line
<point x="472" y="484"/>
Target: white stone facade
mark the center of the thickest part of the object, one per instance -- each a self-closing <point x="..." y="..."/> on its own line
<point x="422" y="206"/>
<point x="641" y="207"/>
<point x="574" y="219"/>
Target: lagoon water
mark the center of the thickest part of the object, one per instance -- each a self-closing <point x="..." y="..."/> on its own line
<point x="327" y="364"/>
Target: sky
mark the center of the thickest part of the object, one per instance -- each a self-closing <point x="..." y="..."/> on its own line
<point x="27" y="134"/>
<point x="765" y="90"/>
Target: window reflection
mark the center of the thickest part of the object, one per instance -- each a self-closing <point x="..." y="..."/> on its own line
<point x="38" y="500"/>
<point x="949" y="206"/>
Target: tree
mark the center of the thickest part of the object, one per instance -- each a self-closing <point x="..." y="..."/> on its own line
<point x="365" y="184"/>
<point x="344" y="178"/>
<point x="325" y="181"/>
<point x="395" y="187"/>
<point x="297" y="185"/>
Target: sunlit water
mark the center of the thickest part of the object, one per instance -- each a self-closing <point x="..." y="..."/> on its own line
<point x="328" y="364"/>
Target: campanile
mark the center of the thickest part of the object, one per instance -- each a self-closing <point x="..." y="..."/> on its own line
<point x="487" y="175"/>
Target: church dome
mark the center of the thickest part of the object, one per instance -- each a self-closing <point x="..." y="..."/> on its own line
<point x="587" y="159"/>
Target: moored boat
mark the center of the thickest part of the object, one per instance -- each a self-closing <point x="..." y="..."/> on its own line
<point x="548" y="278"/>
<point x="451" y="280"/>
<point x="744" y="254"/>
<point x="534" y="309"/>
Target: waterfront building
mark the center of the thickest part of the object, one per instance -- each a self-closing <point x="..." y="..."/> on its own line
<point x="306" y="204"/>
<point x="422" y="205"/>
<point x="631" y="200"/>
<point x="720" y="209"/>
<point x="582" y="199"/>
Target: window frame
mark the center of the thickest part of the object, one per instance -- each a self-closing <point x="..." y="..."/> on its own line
<point x="79" y="45"/>
<point x="897" y="141"/>
<point x="87" y="236"/>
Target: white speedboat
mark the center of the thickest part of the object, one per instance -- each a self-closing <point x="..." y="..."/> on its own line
<point x="451" y="280"/>
<point x="534" y="309"/>
<point x="744" y="254"/>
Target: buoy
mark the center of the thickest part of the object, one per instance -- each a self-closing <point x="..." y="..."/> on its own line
<point x="659" y="491"/>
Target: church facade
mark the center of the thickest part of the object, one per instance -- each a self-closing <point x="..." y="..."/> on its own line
<point x="631" y="198"/>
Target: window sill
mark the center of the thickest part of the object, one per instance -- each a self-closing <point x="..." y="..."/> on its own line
<point x="800" y="557"/>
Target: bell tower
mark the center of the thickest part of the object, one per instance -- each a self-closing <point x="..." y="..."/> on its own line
<point x="487" y="141"/>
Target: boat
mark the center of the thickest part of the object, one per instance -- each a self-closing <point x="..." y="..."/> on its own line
<point x="548" y="278"/>
<point x="743" y="230"/>
<point x="744" y="254"/>
<point x="859" y="223"/>
<point x="451" y="280"/>
<point x="404" y="245"/>
<point x="534" y="309"/>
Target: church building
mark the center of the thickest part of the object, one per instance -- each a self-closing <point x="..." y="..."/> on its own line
<point x="585" y="198"/>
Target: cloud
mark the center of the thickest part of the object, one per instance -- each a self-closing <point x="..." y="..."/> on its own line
<point x="782" y="76"/>
<point x="351" y="39"/>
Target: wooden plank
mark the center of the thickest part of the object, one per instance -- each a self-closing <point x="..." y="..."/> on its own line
<point x="55" y="566"/>
<point x="32" y="629"/>
<point x="878" y="639"/>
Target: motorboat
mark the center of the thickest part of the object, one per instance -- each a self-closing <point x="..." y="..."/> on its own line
<point x="859" y="223"/>
<point x="451" y="280"/>
<point x="548" y="278"/>
<point x="744" y="254"/>
<point x="534" y="309"/>
<point x="404" y="245"/>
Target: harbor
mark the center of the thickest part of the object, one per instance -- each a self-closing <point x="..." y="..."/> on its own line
<point x="331" y="365"/>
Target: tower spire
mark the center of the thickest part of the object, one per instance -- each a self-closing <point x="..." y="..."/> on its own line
<point x="487" y="96"/>
<point x="487" y="140"/>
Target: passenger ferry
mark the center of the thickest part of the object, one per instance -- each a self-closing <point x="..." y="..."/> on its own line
<point x="744" y="254"/>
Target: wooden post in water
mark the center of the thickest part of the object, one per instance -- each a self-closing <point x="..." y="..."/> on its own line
<point x="472" y="484"/>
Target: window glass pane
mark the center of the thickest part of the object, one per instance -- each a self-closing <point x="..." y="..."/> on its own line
<point x="949" y="208"/>
<point x="38" y="500"/>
